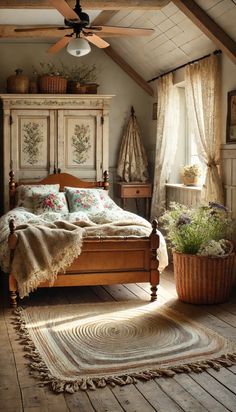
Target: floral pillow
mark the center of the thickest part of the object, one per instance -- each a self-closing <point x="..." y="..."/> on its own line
<point x="25" y="193"/>
<point x="49" y="202"/>
<point x="86" y="200"/>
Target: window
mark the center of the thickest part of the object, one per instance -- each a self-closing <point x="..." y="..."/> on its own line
<point x="186" y="152"/>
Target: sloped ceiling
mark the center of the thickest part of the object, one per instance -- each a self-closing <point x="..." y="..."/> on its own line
<point x="175" y="41"/>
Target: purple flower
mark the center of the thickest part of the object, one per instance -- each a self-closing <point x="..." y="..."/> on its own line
<point x="183" y="220"/>
<point x="215" y="205"/>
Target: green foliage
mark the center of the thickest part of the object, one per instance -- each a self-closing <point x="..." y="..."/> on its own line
<point x="50" y="68"/>
<point x="81" y="143"/>
<point x="81" y="73"/>
<point x="33" y="136"/>
<point x="189" y="230"/>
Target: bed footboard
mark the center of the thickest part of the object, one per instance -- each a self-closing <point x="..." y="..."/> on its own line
<point x="104" y="261"/>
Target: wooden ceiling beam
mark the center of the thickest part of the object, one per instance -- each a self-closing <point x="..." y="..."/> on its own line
<point x="208" y="26"/>
<point x="87" y="4"/>
<point x="128" y="70"/>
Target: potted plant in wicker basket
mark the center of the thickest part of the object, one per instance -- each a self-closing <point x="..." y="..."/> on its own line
<point x="51" y="79"/>
<point x="191" y="174"/>
<point x="82" y="79"/>
<point x="203" y="256"/>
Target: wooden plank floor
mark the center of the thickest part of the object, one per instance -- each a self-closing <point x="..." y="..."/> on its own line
<point x="208" y="391"/>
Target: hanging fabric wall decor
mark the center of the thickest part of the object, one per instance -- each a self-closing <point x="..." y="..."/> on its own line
<point x="132" y="161"/>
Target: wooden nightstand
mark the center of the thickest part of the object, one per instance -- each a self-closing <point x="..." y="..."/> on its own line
<point x="135" y="191"/>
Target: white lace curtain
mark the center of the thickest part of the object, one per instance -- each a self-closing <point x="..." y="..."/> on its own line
<point x="202" y="89"/>
<point x="132" y="161"/>
<point x="166" y="140"/>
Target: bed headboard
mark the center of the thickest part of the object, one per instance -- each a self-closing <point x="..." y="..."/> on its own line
<point x="63" y="179"/>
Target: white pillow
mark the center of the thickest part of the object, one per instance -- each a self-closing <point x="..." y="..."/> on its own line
<point x="106" y="200"/>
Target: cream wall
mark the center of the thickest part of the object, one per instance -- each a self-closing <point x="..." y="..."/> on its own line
<point x="111" y="78"/>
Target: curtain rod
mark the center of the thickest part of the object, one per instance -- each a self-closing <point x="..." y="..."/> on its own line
<point x="184" y="65"/>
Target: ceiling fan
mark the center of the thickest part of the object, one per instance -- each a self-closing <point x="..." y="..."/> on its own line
<point x="82" y="33"/>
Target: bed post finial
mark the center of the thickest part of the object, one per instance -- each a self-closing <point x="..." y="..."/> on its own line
<point x="154" y="225"/>
<point x="12" y="184"/>
<point x="106" y="180"/>
<point x="12" y="226"/>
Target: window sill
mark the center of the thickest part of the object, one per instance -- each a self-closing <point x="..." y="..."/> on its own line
<point x="185" y="195"/>
<point x="182" y="186"/>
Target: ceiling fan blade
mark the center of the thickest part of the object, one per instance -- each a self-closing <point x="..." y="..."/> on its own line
<point x="96" y="40"/>
<point x="39" y="28"/>
<point x="63" y="7"/>
<point x="59" y="44"/>
<point x="124" y="31"/>
<point x="26" y="32"/>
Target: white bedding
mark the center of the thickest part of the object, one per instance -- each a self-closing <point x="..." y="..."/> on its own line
<point x="95" y="224"/>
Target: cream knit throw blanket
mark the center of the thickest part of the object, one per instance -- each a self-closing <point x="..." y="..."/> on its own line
<point x="43" y="251"/>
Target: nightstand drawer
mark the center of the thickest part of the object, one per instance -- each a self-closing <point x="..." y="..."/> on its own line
<point x="135" y="191"/>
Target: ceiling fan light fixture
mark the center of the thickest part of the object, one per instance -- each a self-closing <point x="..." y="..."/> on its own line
<point x="78" y="47"/>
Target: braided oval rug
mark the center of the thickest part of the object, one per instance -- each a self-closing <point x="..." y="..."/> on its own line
<point x="85" y="346"/>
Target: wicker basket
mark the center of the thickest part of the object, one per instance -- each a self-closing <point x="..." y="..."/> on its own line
<point x="203" y="279"/>
<point x="190" y="181"/>
<point x="52" y="84"/>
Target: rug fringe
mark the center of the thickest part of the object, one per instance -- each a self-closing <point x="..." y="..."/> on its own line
<point x="41" y="371"/>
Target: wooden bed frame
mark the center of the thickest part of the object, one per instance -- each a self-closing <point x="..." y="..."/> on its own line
<point x="102" y="261"/>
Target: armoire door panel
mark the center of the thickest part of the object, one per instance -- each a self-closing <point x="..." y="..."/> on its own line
<point x="32" y="143"/>
<point x="80" y="143"/>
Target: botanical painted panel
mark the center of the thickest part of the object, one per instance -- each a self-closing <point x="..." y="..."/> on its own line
<point x="33" y="142"/>
<point x="80" y="141"/>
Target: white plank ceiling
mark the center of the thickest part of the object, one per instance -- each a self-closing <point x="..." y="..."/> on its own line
<point x="176" y="39"/>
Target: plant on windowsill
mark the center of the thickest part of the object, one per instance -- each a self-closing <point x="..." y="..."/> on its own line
<point x="203" y="255"/>
<point x="191" y="174"/>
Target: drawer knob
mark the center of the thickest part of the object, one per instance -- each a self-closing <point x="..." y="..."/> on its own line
<point x="137" y="191"/>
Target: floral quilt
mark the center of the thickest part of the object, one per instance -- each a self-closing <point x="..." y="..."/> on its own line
<point x="94" y="222"/>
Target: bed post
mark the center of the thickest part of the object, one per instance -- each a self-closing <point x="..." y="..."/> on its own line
<point x="12" y="241"/>
<point x="106" y="180"/>
<point x="154" y="272"/>
<point x="12" y="187"/>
